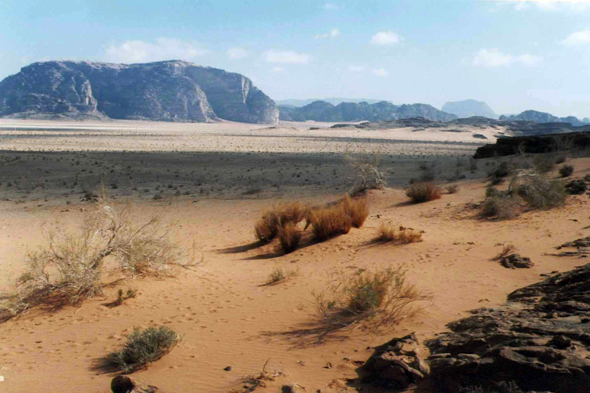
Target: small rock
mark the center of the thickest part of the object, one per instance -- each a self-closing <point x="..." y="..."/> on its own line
<point x="228" y="368"/>
<point x="124" y="384"/>
<point x="515" y="261"/>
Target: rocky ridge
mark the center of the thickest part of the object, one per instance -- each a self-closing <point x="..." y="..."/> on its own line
<point x="163" y="91"/>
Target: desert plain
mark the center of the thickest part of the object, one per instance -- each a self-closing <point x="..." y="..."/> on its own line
<point x="211" y="183"/>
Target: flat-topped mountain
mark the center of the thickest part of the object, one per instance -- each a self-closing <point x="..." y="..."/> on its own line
<point x="351" y="111"/>
<point x="543" y="117"/>
<point x="469" y="108"/>
<point x="164" y="91"/>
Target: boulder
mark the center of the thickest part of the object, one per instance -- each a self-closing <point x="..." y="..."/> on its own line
<point x="396" y="364"/>
<point x="125" y="384"/>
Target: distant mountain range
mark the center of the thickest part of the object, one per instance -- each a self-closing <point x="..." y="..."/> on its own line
<point x="363" y="111"/>
<point x="469" y="108"/>
<point x="543" y="117"/>
<point x="332" y="100"/>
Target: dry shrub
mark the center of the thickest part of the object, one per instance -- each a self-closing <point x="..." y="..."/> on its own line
<point x="280" y="274"/>
<point x="537" y="191"/>
<point x="566" y="170"/>
<point x="372" y="298"/>
<point x="452" y="189"/>
<point x="327" y="222"/>
<point x="544" y="163"/>
<point x="267" y="228"/>
<point x="289" y="237"/>
<point x="389" y="233"/>
<point x="70" y="268"/>
<point x="367" y="168"/>
<point x="500" y="206"/>
<point x="142" y="348"/>
<point x="357" y="209"/>
<point x="423" y="192"/>
<point x="507" y="249"/>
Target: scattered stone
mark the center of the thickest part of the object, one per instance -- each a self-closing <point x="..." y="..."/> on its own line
<point x="228" y="368"/>
<point x="396" y="364"/>
<point x="536" y="341"/>
<point x="124" y="384"/>
<point x="583" y="242"/>
<point x="576" y="187"/>
<point x="515" y="261"/>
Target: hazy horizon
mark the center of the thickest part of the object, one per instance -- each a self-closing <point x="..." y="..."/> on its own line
<point x="499" y="52"/>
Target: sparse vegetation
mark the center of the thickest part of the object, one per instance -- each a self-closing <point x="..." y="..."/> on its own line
<point x="423" y="192"/>
<point x="367" y="168"/>
<point x="452" y="188"/>
<point x="538" y="192"/>
<point x="370" y="298"/>
<point x="566" y="170"/>
<point x="544" y="163"/>
<point x="389" y="233"/>
<point x="142" y="348"/>
<point x="507" y="249"/>
<point x="279" y="274"/>
<point x="289" y="237"/>
<point x="357" y="210"/>
<point x="329" y="221"/>
<point x="70" y="268"/>
<point x="267" y="228"/>
<point x="500" y="206"/>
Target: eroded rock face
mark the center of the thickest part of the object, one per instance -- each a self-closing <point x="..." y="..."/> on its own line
<point x="539" y="340"/>
<point x="164" y="91"/>
<point x="396" y="364"/>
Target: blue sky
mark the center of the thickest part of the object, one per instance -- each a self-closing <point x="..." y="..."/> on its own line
<point x="515" y="55"/>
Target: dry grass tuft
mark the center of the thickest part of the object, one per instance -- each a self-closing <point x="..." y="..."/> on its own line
<point x="370" y="298"/>
<point x="500" y="206"/>
<point x="452" y="189"/>
<point x="327" y="222"/>
<point x="507" y="249"/>
<point x="142" y="348"/>
<point x="280" y="274"/>
<point x="70" y="268"/>
<point x="267" y="228"/>
<point x="537" y="191"/>
<point x="357" y="209"/>
<point x="423" y="192"/>
<point x="289" y="237"/>
<point x="389" y="233"/>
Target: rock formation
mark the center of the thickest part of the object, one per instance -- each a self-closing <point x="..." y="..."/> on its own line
<point x="164" y="91"/>
<point x="469" y="108"/>
<point x="543" y="117"/>
<point x="350" y="111"/>
<point x="537" y="341"/>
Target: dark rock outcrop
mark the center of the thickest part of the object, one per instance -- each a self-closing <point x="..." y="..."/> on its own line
<point x="469" y="108"/>
<point x="515" y="261"/>
<point x="164" y="91"/>
<point x="543" y="117"/>
<point x="396" y="364"/>
<point x="535" y="144"/>
<point x="350" y="111"/>
<point x="124" y="384"/>
<point x="538" y="340"/>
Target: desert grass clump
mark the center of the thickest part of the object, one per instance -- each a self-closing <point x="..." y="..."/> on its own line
<point x="423" y="192"/>
<point x="70" y="268"/>
<point x="539" y="192"/>
<point x="370" y="298"/>
<point x="566" y="170"/>
<point x="452" y="189"/>
<point x="279" y="274"/>
<point x="500" y="206"/>
<point x="357" y="210"/>
<point x="289" y="237"/>
<point x="389" y="233"/>
<point x="142" y="348"/>
<point x="267" y="228"/>
<point x="328" y="222"/>
<point x="544" y="163"/>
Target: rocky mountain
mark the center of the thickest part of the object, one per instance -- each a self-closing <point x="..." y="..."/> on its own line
<point x="165" y="91"/>
<point x="350" y="111"/>
<point x="469" y="108"/>
<point x="543" y="117"/>
<point x="332" y="100"/>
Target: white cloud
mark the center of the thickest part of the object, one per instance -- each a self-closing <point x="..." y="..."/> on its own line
<point x="382" y="72"/>
<point x="332" y="34"/>
<point x="136" y="51"/>
<point x="330" y="6"/>
<point x="577" y="38"/>
<point x="495" y="58"/>
<point x="276" y="70"/>
<point x="237" y="53"/>
<point x="385" y="38"/>
<point x="354" y="68"/>
<point x="520" y="5"/>
<point x="286" y="57"/>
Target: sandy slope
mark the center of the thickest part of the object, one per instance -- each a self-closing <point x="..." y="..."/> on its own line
<point x="229" y="319"/>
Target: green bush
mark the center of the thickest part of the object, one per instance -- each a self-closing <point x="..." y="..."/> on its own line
<point x="566" y="170"/>
<point x="143" y="347"/>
